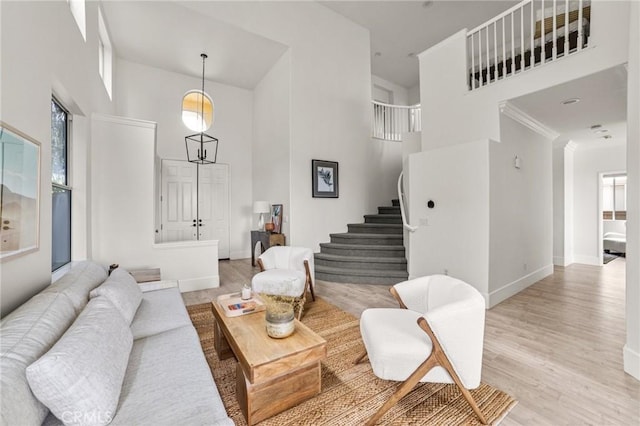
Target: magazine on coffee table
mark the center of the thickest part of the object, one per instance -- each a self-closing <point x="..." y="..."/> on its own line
<point x="234" y="306"/>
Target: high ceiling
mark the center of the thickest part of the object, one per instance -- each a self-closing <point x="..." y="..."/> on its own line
<point x="602" y="101"/>
<point x="170" y="36"/>
<point x="401" y="29"/>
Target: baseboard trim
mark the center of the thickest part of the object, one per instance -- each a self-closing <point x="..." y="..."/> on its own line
<point x="203" y="283"/>
<point x="561" y="261"/>
<point x="587" y="260"/>
<point x="631" y="362"/>
<point x="518" y="285"/>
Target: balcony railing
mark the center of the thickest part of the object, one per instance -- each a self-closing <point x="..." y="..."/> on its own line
<point x="527" y="35"/>
<point x="391" y="121"/>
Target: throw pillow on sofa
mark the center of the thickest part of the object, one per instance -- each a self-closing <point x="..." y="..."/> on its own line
<point x="80" y="378"/>
<point x="123" y="291"/>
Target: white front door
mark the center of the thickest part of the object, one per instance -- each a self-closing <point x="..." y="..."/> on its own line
<point x="214" y="206"/>
<point x="195" y="210"/>
<point x="178" y="201"/>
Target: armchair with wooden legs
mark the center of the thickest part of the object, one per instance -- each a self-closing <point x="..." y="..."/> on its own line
<point x="286" y="272"/>
<point x="436" y="336"/>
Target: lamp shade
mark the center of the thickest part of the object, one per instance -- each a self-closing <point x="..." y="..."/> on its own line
<point x="261" y="207"/>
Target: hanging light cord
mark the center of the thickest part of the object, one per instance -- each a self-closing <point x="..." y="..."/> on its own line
<point x="204" y="56"/>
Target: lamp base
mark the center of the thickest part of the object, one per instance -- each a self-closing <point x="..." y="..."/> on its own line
<point x="261" y="222"/>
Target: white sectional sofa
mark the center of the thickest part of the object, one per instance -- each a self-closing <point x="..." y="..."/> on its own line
<point x="92" y="349"/>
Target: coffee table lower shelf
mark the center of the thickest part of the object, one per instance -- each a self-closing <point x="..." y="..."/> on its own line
<point x="263" y="400"/>
<point x="272" y="375"/>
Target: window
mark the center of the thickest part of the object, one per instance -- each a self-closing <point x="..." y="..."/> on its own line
<point x="77" y="10"/>
<point x="614" y="197"/>
<point x="61" y="192"/>
<point x="105" y="54"/>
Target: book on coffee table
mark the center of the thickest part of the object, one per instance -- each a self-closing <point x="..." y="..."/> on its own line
<point x="234" y="306"/>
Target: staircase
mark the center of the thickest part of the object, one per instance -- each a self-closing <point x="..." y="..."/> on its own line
<point x="368" y="253"/>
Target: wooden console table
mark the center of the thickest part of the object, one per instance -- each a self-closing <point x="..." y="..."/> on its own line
<point x="266" y="240"/>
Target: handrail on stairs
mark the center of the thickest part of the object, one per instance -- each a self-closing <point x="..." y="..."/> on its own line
<point x="405" y="224"/>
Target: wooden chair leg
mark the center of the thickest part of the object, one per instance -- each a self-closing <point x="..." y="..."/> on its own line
<point x="313" y="293"/>
<point x="361" y="357"/>
<point x="309" y="281"/>
<point x="443" y="361"/>
<point x="396" y="296"/>
<point x="404" y="389"/>
<point x="300" y="302"/>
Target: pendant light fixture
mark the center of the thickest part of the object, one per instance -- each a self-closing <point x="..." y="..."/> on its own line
<point x="197" y="113"/>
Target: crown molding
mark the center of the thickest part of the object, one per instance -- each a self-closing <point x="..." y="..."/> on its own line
<point x="511" y="111"/>
<point x="124" y="120"/>
<point x="571" y="146"/>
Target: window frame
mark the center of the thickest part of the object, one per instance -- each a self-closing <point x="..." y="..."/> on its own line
<point x="66" y="186"/>
<point x="105" y="55"/>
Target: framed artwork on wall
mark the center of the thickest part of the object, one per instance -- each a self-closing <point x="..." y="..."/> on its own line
<point x="324" y="178"/>
<point x="19" y="193"/>
<point x="276" y="218"/>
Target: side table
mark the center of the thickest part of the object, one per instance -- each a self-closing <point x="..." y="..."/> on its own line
<point x="266" y="240"/>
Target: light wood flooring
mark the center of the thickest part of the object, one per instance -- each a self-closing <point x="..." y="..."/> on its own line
<point x="556" y="347"/>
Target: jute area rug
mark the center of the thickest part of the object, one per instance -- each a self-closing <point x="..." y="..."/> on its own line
<point x="351" y="393"/>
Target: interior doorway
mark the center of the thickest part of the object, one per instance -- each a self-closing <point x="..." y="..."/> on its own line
<point x="194" y="203"/>
<point x="612" y="232"/>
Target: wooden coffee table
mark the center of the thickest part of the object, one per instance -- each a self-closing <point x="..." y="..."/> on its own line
<point x="272" y="375"/>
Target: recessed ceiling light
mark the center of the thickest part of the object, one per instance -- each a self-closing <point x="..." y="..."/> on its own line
<point x="606" y="137"/>
<point x="378" y="54"/>
<point x="596" y="126"/>
<point x="570" y="101"/>
<point x="412" y="55"/>
<point x="428" y="3"/>
<point x="602" y="131"/>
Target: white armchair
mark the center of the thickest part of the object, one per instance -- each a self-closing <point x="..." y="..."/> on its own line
<point x="451" y="313"/>
<point x="286" y="272"/>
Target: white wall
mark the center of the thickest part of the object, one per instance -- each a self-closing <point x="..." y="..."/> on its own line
<point x="632" y="346"/>
<point x="330" y="107"/>
<point x="452" y="115"/>
<point x="414" y="94"/>
<point x="387" y="155"/>
<point x="271" y="139"/>
<point x="122" y="181"/>
<point x="153" y="94"/>
<point x="589" y="161"/>
<point x="521" y="210"/>
<point x="558" y="202"/>
<point x="399" y="94"/>
<point x="569" y="202"/>
<point x="454" y="235"/>
<point x="455" y="115"/>
<point x="42" y="53"/>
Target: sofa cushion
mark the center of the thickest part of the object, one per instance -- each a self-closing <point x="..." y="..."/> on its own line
<point x="159" y="311"/>
<point x="168" y="382"/>
<point x="80" y="378"/>
<point x="78" y="282"/>
<point x="25" y="335"/>
<point x="123" y="291"/>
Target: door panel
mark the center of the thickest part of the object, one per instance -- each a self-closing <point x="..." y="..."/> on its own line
<point x="177" y="201"/>
<point x="179" y="198"/>
<point x="220" y="215"/>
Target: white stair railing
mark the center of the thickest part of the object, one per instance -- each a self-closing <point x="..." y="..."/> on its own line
<point x="405" y="223"/>
<point x="389" y="122"/>
<point x="526" y="36"/>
